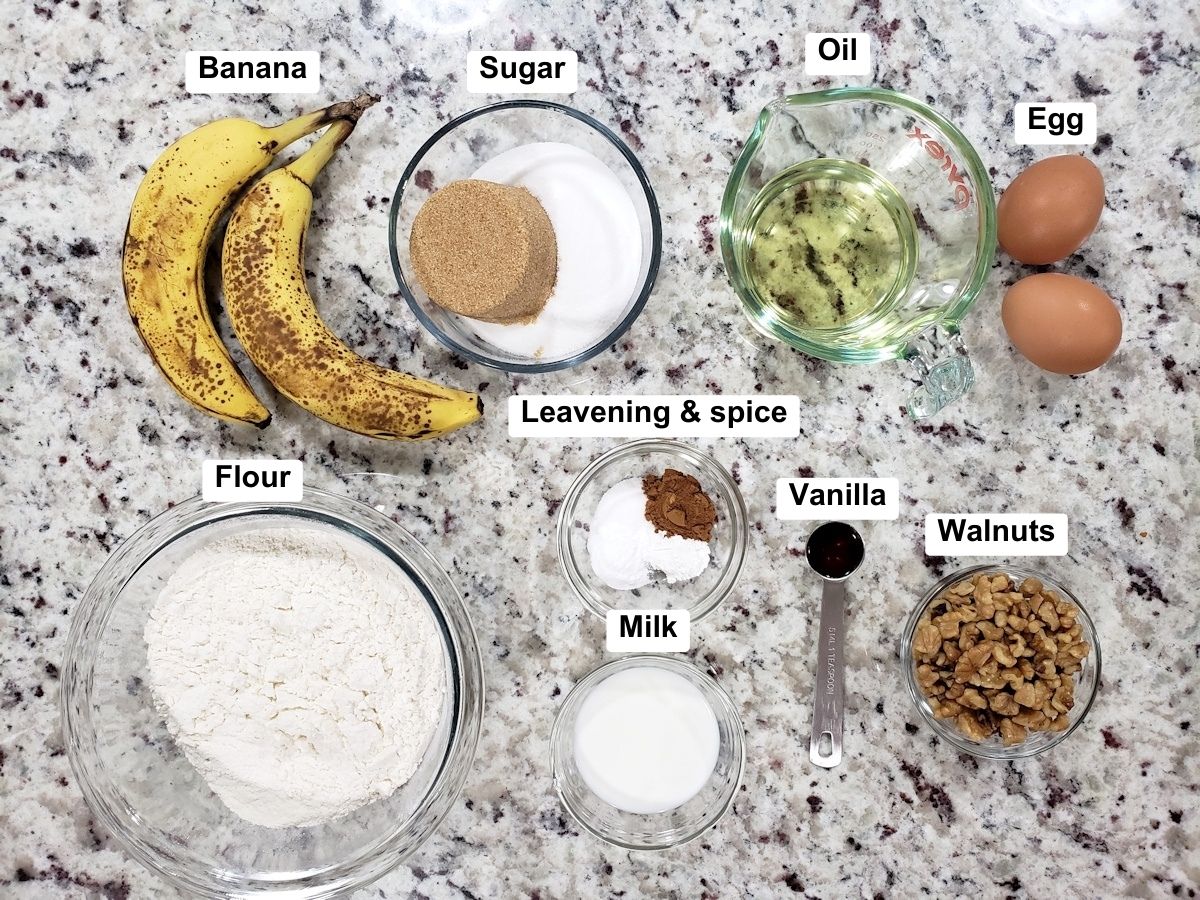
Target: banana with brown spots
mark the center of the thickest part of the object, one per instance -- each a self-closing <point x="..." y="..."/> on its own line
<point x="278" y="324"/>
<point x="175" y="211"/>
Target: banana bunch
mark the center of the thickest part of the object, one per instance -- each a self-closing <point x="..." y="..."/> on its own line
<point x="175" y="213"/>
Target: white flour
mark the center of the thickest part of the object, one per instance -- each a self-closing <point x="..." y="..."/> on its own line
<point x="301" y="673"/>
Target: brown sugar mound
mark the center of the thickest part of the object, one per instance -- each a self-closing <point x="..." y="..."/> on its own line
<point x="676" y="504"/>
<point x="486" y="251"/>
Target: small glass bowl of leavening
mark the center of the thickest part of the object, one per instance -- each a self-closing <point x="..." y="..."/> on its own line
<point x="141" y="787"/>
<point x="1066" y="623"/>
<point x="699" y="595"/>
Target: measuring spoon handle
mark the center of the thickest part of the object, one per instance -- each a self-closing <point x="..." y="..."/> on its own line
<point x="825" y="742"/>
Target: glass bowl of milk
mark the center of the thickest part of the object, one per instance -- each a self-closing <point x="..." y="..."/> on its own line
<point x="599" y="201"/>
<point x="647" y="752"/>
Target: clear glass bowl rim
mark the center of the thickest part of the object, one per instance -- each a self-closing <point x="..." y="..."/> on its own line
<point x="739" y="527"/>
<point x="680" y="666"/>
<point x="985" y="245"/>
<point x="655" y="239"/>
<point x="948" y="732"/>
<point x="89" y="621"/>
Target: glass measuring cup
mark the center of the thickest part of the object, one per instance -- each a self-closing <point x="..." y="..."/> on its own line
<point x="859" y="225"/>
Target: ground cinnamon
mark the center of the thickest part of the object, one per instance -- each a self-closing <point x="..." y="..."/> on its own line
<point x="676" y="504"/>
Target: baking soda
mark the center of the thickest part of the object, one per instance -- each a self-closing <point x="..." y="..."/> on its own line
<point x="625" y="549"/>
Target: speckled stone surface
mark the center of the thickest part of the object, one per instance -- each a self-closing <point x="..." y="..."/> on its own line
<point x="94" y="442"/>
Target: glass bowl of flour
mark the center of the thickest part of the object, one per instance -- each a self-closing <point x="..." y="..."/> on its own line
<point x="271" y="698"/>
<point x="582" y="513"/>
<point x="598" y="200"/>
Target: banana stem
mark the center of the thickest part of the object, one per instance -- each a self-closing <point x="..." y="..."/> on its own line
<point x="291" y="131"/>
<point x="309" y="164"/>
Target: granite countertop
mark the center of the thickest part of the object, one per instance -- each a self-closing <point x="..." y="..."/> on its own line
<point x="95" y="443"/>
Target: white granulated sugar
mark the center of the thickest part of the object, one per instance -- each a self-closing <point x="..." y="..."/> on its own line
<point x="300" y="671"/>
<point x="599" y="241"/>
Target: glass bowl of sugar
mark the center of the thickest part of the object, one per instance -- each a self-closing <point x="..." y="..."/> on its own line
<point x="601" y="520"/>
<point x="600" y="204"/>
<point x="173" y="685"/>
<point x="647" y="752"/>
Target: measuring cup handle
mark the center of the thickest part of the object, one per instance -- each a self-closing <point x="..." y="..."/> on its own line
<point x="942" y="365"/>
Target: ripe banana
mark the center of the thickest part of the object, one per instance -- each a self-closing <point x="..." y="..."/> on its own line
<point x="273" y="314"/>
<point x="175" y="211"/>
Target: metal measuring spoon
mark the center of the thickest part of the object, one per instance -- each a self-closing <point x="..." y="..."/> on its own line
<point x="834" y="550"/>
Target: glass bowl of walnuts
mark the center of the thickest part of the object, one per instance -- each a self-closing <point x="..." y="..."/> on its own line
<point x="1001" y="662"/>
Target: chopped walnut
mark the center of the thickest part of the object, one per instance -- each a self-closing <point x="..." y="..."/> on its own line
<point x="1011" y="733"/>
<point x="989" y="631"/>
<point x="928" y="641"/>
<point x="972" y="698"/>
<point x="970" y="725"/>
<point x="926" y="677"/>
<point x="1025" y="695"/>
<point x="946" y="709"/>
<point x="1031" y="718"/>
<point x="1000" y="658"/>
<point x="968" y="664"/>
<point x="1002" y="653"/>
<point x="1002" y="702"/>
<point x="1064" y="697"/>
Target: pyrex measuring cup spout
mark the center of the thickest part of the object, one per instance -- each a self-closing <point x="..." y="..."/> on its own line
<point x="943" y="368"/>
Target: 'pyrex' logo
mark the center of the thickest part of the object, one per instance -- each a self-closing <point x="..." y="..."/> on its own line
<point x="962" y="193"/>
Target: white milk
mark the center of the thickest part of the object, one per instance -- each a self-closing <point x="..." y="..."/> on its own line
<point x="646" y="740"/>
<point x="599" y="248"/>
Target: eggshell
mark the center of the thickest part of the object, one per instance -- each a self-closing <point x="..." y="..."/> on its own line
<point x="1050" y="209"/>
<point x="1061" y="323"/>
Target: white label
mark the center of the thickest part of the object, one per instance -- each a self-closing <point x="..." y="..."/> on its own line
<point x="648" y="631"/>
<point x="993" y="534"/>
<point x="654" y="415"/>
<point x="1054" y="123"/>
<point x="241" y="480"/>
<point x="252" y="71"/>
<point x="522" y="71"/>
<point x="835" y="53"/>
<point x="804" y="499"/>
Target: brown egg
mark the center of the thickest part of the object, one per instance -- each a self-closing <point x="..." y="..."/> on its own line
<point x="1061" y="323"/>
<point x="1050" y="209"/>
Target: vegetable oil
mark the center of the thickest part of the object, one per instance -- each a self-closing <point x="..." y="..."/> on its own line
<point x="827" y="243"/>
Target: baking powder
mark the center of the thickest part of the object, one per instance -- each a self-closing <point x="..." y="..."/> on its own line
<point x="625" y="549"/>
